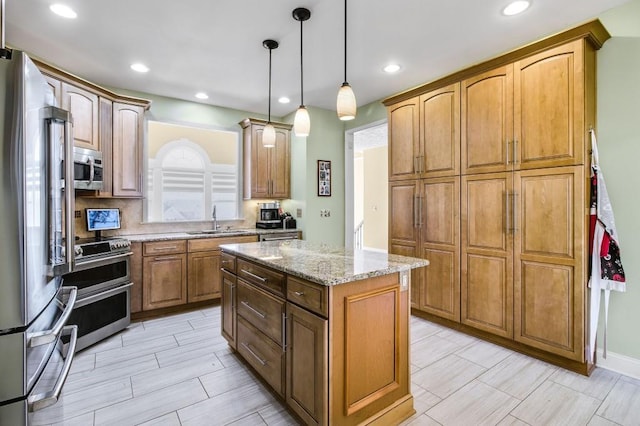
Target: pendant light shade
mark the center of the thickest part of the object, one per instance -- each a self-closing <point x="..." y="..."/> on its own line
<point x="269" y="136"/>
<point x="346" y="104"/>
<point x="302" y="121"/>
<point x="269" y="132"/>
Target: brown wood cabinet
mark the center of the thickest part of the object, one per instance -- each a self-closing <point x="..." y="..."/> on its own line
<point x="84" y="106"/>
<point x="361" y="326"/>
<point x="307" y="365"/>
<point x="107" y="122"/>
<point x="267" y="171"/>
<point x="425" y="223"/>
<point x="164" y="275"/>
<point x="128" y="122"/>
<point x="524" y="121"/>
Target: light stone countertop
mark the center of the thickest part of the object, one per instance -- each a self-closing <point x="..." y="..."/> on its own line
<point x="167" y="236"/>
<point x="321" y="263"/>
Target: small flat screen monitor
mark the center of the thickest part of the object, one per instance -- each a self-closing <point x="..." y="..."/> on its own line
<point x="103" y="219"/>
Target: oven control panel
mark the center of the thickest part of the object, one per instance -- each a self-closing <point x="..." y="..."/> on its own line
<point x="103" y="248"/>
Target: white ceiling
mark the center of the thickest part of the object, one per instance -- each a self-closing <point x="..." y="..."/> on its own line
<point x="216" y="45"/>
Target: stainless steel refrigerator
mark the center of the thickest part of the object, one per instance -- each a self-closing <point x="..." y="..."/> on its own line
<point x="36" y="214"/>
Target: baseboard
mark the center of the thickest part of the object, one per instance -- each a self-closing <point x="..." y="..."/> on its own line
<point x="619" y="363"/>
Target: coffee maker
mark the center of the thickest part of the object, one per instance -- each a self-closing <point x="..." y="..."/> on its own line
<point x="268" y="216"/>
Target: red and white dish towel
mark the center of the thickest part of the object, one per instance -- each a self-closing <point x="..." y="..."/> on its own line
<point x="606" y="267"/>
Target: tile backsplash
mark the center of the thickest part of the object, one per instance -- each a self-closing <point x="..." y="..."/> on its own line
<point x="131" y="216"/>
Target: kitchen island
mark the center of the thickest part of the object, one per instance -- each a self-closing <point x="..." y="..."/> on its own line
<point x="326" y="328"/>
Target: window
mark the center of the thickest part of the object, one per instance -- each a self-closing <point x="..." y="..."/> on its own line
<point x="189" y="170"/>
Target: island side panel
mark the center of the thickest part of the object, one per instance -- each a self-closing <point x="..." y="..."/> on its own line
<point x="369" y="352"/>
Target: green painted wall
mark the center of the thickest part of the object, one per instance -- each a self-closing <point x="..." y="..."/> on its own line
<point x="619" y="146"/>
<point x="366" y="114"/>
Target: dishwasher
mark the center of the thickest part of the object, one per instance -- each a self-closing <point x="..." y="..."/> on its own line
<point x="278" y="236"/>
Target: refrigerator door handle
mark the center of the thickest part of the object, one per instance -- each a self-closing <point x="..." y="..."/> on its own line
<point x="46" y="399"/>
<point x="48" y="336"/>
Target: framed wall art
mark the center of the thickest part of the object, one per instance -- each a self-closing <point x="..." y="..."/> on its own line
<point x="324" y="178"/>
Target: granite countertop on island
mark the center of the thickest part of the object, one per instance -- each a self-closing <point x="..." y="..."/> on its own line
<point x="322" y="263"/>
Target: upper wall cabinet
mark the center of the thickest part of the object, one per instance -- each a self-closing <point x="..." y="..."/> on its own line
<point x="106" y="122"/>
<point x="84" y="107"/>
<point x="267" y="171"/>
<point x="425" y="135"/>
<point x="128" y="150"/>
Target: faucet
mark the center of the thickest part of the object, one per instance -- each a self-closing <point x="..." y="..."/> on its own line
<point x="215" y="219"/>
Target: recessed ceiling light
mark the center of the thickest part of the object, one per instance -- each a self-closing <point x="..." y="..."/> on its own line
<point x="139" y="67"/>
<point x="516" y="7"/>
<point x="284" y="100"/>
<point x="202" y="95"/>
<point x="63" y="10"/>
<point x="391" y="68"/>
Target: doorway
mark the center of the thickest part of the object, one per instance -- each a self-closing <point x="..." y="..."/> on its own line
<point x="366" y="194"/>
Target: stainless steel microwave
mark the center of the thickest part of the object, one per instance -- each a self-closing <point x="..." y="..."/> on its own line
<point x="87" y="169"/>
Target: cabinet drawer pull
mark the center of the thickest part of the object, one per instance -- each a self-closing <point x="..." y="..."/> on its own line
<point x="165" y="248"/>
<point x="515" y="149"/>
<point x="252" y="309"/>
<point x="284" y="332"/>
<point x="248" y="347"/>
<point x="257" y="277"/>
<point x="299" y="293"/>
<point x="507" y="146"/>
<point x="167" y="258"/>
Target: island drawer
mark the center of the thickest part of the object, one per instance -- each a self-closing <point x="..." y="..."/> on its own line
<point x="264" y="355"/>
<point x="308" y="295"/>
<point x="228" y="262"/>
<point x="262" y="310"/>
<point x="262" y="277"/>
<point x="164" y="247"/>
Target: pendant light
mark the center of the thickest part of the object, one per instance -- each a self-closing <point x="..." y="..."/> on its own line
<point x="346" y="103"/>
<point x="302" y="121"/>
<point x="269" y="133"/>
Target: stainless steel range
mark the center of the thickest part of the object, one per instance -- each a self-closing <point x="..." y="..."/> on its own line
<point x="102" y="277"/>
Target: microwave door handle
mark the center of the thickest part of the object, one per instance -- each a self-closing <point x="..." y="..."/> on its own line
<point x="47" y="399"/>
<point x="48" y="336"/>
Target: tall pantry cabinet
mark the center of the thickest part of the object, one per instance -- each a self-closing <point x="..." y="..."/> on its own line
<point x="506" y="225"/>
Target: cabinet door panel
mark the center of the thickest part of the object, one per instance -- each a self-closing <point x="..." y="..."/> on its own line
<point x="165" y="281"/>
<point x="549" y="107"/>
<point x="404" y="139"/>
<point x="487" y="121"/>
<point x="307" y="365"/>
<point x="83" y="106"/>
<point x="403" y="207"/>
<point x="440" y="132"/>
<point x="416" y="274"/>
<point x="440" y="243"/>
<point x="203" y="281"/>
<point x="106" y="145"/>
<point x="280" y="167"/>
<point x="549" y="253"/>
<point x="260" y="162"/>
<point x="487" y="253"/>
<point x="228" y="310"/>
<point x="127" y="150"/>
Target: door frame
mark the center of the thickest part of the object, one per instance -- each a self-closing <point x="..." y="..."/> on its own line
<point x="348" y="179"/>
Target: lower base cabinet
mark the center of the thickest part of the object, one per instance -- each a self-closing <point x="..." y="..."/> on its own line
<point x="288" y="329"/>
<point x="307" y="365"/>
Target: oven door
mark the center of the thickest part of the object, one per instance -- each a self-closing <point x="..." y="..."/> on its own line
<point x="93" y="276"/>
<point x="100" y="315"/>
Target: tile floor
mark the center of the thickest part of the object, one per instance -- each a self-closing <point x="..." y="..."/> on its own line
<point x="178" y="370"/>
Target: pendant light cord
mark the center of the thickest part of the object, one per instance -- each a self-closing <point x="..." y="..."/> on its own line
<point x="301" y="69"/>
<point x="269" y="120"/>
<point x="345" y="41"/>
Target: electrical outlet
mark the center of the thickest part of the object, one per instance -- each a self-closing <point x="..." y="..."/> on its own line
<point x="325" y="213"/>
<point x="77" y="213"/>
<point x="298" y="213"/>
